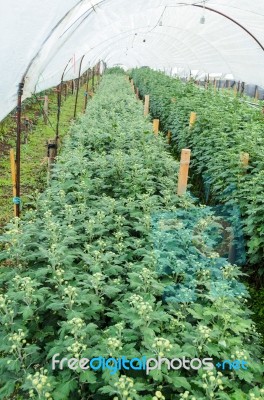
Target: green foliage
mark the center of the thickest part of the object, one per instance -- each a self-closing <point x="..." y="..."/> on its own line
<point x="96" y="270"/>
<point x="115" y="71"/>
<point x="257" y="306"/>
<point x="226" y="127"/>
<point x="33" y="161"/>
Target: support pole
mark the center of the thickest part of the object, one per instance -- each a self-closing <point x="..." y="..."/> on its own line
<point x="193" y="118"/>
<point x="146" y="105"/>
<point x="51" y="153"/>
<point x="87" y="91"/>
<point x="18" y="146"/>
<point x="184" y="171"/>
<point x="244" y="159"/>
<point x="78" y="85"/>
<point x="169" y="137"/>
<point x="156" y="126"/>
<point x="137" y="93"/>
<point x="93" y="80"/>
<point x="13" y="174"/>
<point x="58" y="113"/>
<point x="46" y="109"/>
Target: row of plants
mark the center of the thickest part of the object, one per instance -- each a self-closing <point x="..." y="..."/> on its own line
<point x="111" y="262"/>
<point x="226" y="127"/>
<point x="34" y="149"/>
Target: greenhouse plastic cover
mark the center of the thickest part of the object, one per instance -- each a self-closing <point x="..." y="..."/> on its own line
<point x="38" y="38"/>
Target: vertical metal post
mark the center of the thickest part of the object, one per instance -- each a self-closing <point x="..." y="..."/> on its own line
<point x="18" y="146"/>
<point x="13" y="174"/>
<point x="58" y="113"/>
<point x="78" y="85"/>
<point x="242" y="87"/>
<point x="87" y="90"/>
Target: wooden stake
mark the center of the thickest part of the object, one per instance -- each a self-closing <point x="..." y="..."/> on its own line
<point x="13" y="174"/>
<point x="244" y="159"/>
<point x="137" y="93"/>
<point x="169" y="137"/>
<point x="46" y="109"/>
<point x="193" y="118"/>
<point x="146" y="105"/>
<point x="156" y="126"/>
<point x="183" y="172"/>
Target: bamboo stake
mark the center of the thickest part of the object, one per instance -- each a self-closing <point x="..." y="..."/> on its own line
<point x="193" y="118"/>
<point x="183" y="172"/>
<point x="156" y="126"/>
<point x="146" y="105"/>
<point x="169" y="137"/>
<point x="13" y="174"/>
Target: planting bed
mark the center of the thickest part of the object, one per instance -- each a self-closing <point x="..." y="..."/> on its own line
<point x="113" y="263"/>
<point x="225" y="129"/>
<point x="34" y="152"/>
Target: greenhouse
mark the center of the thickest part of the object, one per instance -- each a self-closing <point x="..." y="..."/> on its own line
<point x="131" y="199"/>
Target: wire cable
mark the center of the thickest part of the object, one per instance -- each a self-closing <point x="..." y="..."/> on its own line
<point x="42" y="111"/>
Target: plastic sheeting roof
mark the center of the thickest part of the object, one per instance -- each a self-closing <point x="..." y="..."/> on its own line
<point x="38" y="38"/>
